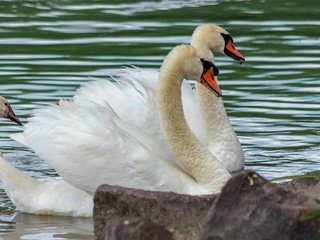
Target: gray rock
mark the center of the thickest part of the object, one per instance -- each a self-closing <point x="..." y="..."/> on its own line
<point x="180" y="214"/>
<point x="307" y="186"/>
<point x="250" y="207"/>
<point x="135" y="229"/>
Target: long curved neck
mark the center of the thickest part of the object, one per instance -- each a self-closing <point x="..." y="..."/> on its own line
<point x="202" y="47"/>
<point x="212" y="110"/>
<point x="13" y="179"/>
<point x="196" y="159"/>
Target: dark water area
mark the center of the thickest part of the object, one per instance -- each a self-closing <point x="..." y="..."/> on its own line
<point x="49" y="48"/>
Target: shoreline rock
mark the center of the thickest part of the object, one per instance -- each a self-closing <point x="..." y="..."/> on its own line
<point x="306" y="186"/>
<point x="180" y="214"/>
<point x="249" y="207"/>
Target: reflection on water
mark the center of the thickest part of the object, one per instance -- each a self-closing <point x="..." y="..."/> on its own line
<point x="25" y="226"/>
<point x="49" y="48"/>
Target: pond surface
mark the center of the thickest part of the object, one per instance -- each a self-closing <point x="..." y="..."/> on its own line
<point x="50" y="48"/>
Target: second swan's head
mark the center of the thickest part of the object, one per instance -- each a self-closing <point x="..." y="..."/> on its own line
<point x="7" y="112"/>
<point x="210" y="38"/>
<point x="183" y="61"/>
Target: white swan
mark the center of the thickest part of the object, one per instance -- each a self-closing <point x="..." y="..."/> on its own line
<point x="88" y="144"/>
<point x="216" y="131"/>
<point x="32" y="196"/>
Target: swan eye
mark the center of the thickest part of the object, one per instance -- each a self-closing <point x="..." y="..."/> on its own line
<point x="216" y="70"/>
<point x="207" y="65"/>
<point x="226" y="37"/>
<point x="230" y="50"/>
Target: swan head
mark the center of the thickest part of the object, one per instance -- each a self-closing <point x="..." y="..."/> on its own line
<point x="7" y="112"/>
<point x="184" y="62"/>
<point x="209" y="38"/>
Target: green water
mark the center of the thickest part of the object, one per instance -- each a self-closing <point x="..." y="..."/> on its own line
<point x="49" y="48"/>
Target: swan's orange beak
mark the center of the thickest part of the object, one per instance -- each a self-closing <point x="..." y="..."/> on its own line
<point x="231" y="51"/>
<point x="209" y="81"/>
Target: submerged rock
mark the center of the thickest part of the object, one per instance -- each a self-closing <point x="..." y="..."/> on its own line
<point x="250" y="207"/>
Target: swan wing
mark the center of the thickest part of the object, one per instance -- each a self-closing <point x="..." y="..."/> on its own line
<point x="109" y="133"/>
<point x="145" y="81"/>
<point x="132" y="96"/>
<point x="89" y="144"/>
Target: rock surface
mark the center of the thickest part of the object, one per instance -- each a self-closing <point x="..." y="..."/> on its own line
<point x="180" y="214"/>
<point x="250" y="207"/>
<point x="307" y="186"/>
<point x="135" y="229"/>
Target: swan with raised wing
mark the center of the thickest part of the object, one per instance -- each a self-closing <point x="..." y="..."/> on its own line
<point x="32" y="196"/>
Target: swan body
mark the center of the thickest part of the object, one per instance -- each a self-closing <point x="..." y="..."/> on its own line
<point x="213" y="128"/>
<point x="205" y="112"/>
<point x="29" y="195"/>
<point x="94" y="142"/>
